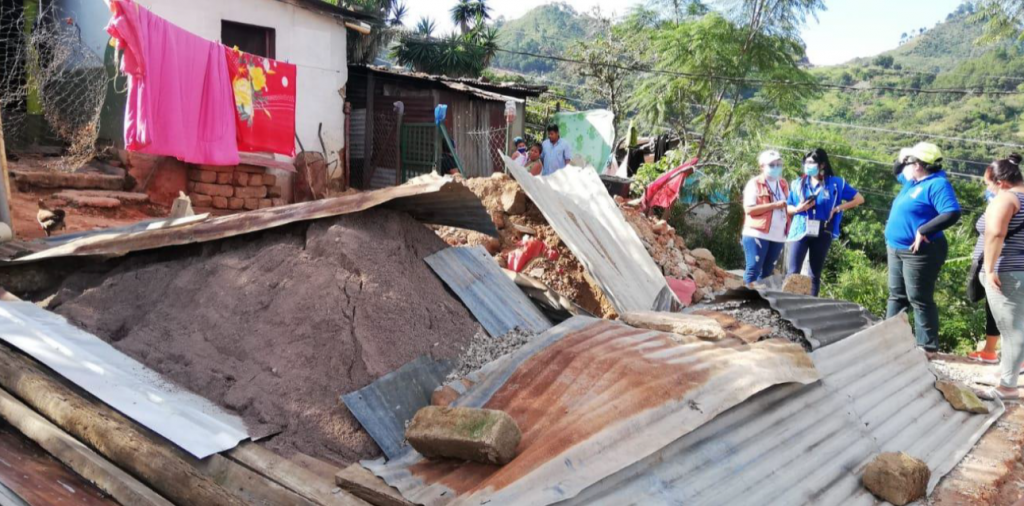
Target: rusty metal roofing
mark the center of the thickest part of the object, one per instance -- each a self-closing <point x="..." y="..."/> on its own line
<point x="808" y="444"/>
<point x="494" y="299"/>
<point x="576" y="204"/>
<point x="462" y="83"/>
<point x="823" y="321"/>
<point x="592" y="397"/>
<point x="431" y="199"/>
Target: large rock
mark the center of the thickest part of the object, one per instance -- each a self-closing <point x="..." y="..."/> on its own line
<point x="703" y="254"/>
<point x="513" y="201"/>
<point x="897" y="478"/>
<point x="961" y="397"/>
<point x="797" y="284"/>
<point x="699" y="326"/>
<point x="479" y="435"/>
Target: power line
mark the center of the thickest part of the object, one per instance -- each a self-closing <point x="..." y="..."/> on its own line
<point x="899" y="132"/>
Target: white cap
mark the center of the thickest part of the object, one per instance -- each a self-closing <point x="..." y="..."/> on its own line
<point x="767" y="157"/>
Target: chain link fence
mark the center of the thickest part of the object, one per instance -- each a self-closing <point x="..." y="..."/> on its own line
<point x="52" y="86"/>
<point x="382" y="168"/>
<point x="483" y="150"/>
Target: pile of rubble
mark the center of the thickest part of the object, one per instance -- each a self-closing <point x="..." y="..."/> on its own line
<point x="517" y="219"/>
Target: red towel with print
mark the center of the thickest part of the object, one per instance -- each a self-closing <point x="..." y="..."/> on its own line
<point x="264" y="102"/>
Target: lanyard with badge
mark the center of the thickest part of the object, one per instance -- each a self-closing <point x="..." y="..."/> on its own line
<point x="813" y="224"/>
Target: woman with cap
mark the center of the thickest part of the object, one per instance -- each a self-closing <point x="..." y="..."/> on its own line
<point x="816" y="201"/>
<point x="519" y="155"/>
<point x="917" y="248"/>
<point x="767" y="220"/>
<point x="1003" y="269"/>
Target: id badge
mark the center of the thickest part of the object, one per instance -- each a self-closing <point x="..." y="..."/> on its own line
<point x="813" y="228"/>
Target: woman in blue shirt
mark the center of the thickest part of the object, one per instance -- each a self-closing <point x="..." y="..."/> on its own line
<point x="925" y="206"/>
<point x="817" y="201"/>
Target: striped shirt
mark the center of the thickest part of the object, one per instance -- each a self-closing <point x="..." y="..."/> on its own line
<point x="1012" y="258"/>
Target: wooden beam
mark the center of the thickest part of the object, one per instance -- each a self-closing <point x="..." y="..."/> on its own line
<point x="166" y="469"/>
<point x="306" y="484"/>
<point x="6" y="214"/>
<point x="363" y="484"/>
<point x="87" y="463"/>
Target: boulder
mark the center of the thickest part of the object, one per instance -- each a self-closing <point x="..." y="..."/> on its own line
<point x="897" y="478"/>
<point x="703" y="254"/>
<point x="479" y="435"/>
<point x="961" y="397"/>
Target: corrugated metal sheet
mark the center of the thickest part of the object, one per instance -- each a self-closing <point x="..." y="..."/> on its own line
<point x="384" y="406"/>
<point x="195" y="424"/>
<point x="823" y="321"/>
<point x="809" y="444"/>
<point x="555" y="306"/>
<point x="592" y="397"/>
<point x="577" y="205"/>
<point x="496" y="302"/>
<point x="430" y="198"/>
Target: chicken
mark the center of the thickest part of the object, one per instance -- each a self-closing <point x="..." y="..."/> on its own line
<point x="51" y="221"/>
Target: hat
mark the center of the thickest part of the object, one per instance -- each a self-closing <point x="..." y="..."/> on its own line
<point x="925" y="152"/>
<point x="767" y="157"/>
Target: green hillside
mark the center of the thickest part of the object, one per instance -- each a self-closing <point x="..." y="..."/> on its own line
<point x="548" y="30"/>
<point x="944" y="46"/>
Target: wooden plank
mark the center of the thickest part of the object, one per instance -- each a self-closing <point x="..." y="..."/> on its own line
<point x="363" y="484"/>
<point x="167" y="470"/>
<point x="106" y="476"/>
<point x="316" y="466"/>
<point x="36" y="478"/>
<point x="306" y="484"/>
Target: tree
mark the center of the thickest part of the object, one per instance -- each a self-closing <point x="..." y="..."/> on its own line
<point x="425" y="27"/>
<point x="364" y="48"/>
<point x="605" y="59"/>
<point x="884" y="60"/>
<point x="1003" y="19"/>
<point x="453" y="55"/>
<point x="470" y="14"/>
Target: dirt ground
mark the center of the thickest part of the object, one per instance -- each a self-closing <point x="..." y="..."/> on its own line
<point x="992" y="474"/>
<point x="276" y="326"/>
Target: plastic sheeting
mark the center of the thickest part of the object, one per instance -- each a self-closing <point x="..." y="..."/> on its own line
<point x="195" y="424"/>
<point x="592" y="397"/>
<point x="576" y="204"/>
<point x="590" y="133"/>
<point x="809" y="444"/>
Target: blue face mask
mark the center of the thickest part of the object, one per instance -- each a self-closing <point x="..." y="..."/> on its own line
<point x="811" y="170"/>
<point x="774" y="172"/>
<point x="522" y="150"/>
<point x="989" y="195"/>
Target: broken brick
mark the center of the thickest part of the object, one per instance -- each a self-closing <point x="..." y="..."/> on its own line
<point x="255" y="179"/>
<point x="200" y="200"/>
<point x="240" y="178"/>
<point x="223" y="177"/>
<point x="479" y="435"/>
<point x="202" y="176"/>
<point x="220" y="202"/>
<point x="247" y="192"/>
<point x="214" y="190"/>
<point x="236" y="203"/>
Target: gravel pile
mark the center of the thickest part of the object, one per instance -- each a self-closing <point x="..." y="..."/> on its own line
<point x="760" y="314"/>
<point x="484" y="349"/>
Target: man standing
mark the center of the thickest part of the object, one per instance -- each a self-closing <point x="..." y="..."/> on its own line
<point x="556" y="153"/>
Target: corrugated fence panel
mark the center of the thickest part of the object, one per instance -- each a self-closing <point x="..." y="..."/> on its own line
<point x="794" y="445"/>
<point x="577" y="205"/>
<point x="496" y="302"/>
<point x="591" y="397"/>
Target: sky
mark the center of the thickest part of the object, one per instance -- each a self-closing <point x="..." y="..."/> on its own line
<point x="847" y="29"/>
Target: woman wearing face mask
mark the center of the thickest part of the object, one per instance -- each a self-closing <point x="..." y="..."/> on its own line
<point x="520" y="154"/>
<point x="534" y="163"/>
<point x="817" y="201"/>
<point x="989" y="354"/>
<point x="925" y="206"/>
<point x="1003" y="270"/>
<point x="767" y="221"/>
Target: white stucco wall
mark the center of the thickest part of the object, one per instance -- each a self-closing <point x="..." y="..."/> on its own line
<point x="314" y="42"/>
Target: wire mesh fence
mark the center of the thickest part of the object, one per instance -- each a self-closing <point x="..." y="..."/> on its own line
<point x="482" y="151"/>
<point x="384" y="161"/>
<point x="52" y="85"/>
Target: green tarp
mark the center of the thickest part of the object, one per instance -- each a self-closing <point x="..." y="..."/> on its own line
<point x="590" y="133"/>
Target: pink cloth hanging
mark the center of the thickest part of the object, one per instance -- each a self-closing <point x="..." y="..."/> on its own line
<point x="180" y="101"/>
<point x="664" y="191"/>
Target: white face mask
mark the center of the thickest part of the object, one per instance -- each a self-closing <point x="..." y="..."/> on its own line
<point x="908" y="172"/>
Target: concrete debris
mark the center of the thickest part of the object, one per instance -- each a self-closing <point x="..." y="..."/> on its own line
<point x="478" y="435"/>
<point x="961" y="397"/>
<point x="760" y="314"/>
<point x="797" y="284"/>
<point x="676" y="323"/>
<point x="897" y="478"/>
<point x="513" y="201"/>
<point x="484" y="349"/>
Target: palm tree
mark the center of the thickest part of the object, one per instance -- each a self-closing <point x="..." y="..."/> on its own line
<point x="487" y="40"/>
<point x="398" y="13"/>
<point x="481" y="12"/>
<point x="462" y="14"/>
<point x="425" y="27"/>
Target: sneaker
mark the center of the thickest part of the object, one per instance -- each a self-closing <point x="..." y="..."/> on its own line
<point x="984" y="357"/>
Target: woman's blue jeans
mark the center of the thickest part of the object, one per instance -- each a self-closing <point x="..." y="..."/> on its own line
<point x="817" y="248"/>
<point x="761" y="256"/>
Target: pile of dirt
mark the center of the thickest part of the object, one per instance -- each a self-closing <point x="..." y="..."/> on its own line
<point x="277" y="325"/>
<point x="517" y="217"/>
<point x="670" y="253"/>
